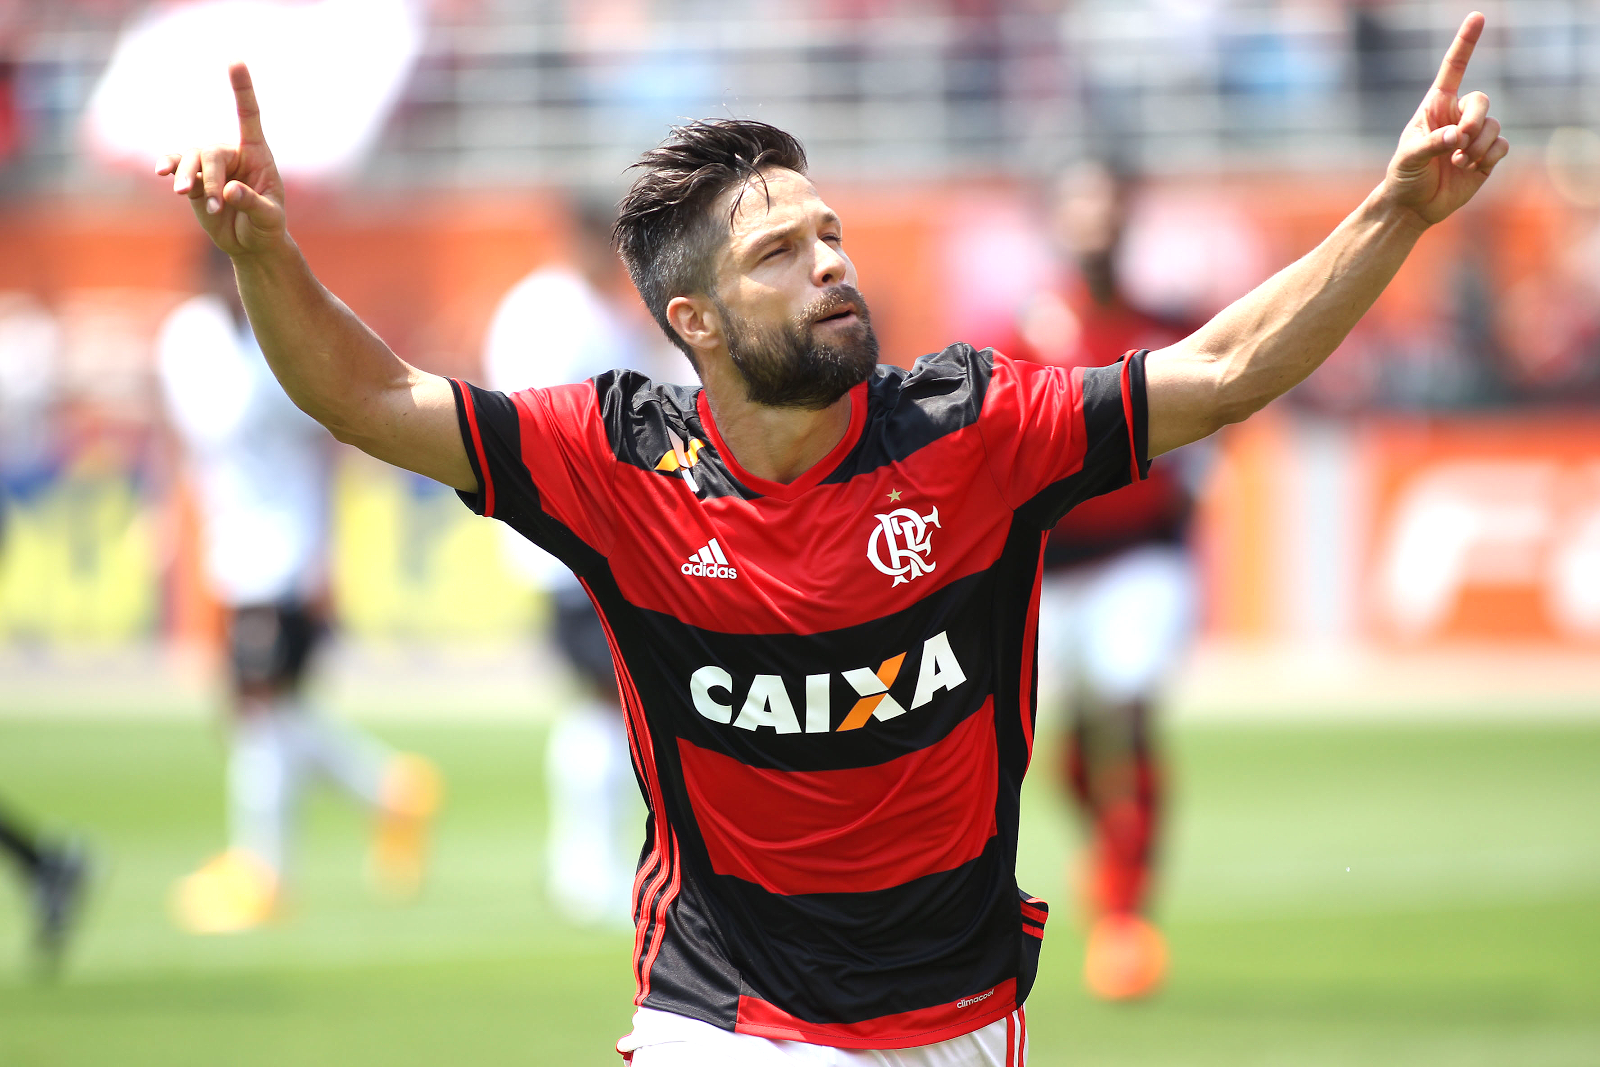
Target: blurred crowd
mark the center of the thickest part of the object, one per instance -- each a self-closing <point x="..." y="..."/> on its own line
<point x="1247" y="128"/>
<point x="497" y="89"/>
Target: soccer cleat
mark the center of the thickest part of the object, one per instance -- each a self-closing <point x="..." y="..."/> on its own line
<point x="58" y="888"/>
<point x="233" y="892"/>
<point x="1126" y="957"/>
<point x="412" y="790"/>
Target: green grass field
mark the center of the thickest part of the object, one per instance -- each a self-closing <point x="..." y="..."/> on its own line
<point x="1335" y="895"/>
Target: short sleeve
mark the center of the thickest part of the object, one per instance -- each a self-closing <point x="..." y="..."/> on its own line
<point x="544" y="466"/>
<point x="1056" y="437"/>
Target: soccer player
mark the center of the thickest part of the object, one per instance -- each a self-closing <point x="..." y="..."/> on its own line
<point x="55" y="873"/>
<point x="1117" y="606"/>
<point x="262" y="474"/>
<point x="818" y="575"/>
<point x="565" y="323"/>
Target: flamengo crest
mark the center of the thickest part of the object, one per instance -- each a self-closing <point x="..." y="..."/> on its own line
<point x="900" y="544"/>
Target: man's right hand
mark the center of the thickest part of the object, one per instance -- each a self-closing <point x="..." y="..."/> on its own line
<point x="235" y="190"/>
<point x="329" y="363"/>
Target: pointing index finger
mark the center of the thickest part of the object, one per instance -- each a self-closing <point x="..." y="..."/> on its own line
<point x="1455" y="60"/>
<point x="244" y="98"/>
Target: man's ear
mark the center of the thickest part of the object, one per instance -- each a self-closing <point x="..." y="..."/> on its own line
<point x="697" y="322"/>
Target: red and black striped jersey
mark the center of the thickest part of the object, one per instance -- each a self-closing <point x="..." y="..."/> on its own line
<point x="829" y="683"/>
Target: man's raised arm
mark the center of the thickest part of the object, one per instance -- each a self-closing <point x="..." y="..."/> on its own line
<point x="1267" y="342"/>
<point x="337" y="370"/>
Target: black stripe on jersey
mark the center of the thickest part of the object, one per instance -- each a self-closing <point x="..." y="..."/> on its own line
<point x="858" y="940"/>
<point x="516" y="496"/>
<point x="685" y="978"/>
<point x="1107" y="463"/>
<point x="475" y="501"/>
<point x="909" y="410"/>
<point x="906" y="411"/>
<point x="679" y="649"/>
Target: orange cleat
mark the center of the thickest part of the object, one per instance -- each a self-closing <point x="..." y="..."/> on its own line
<point x="231" y="893"/>
<point x="1126" y="957"/>
<point x="412" y="790"/>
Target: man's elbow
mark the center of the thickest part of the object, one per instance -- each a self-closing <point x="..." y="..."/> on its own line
<point x="1236" y="395"/>
<point x="347" y="427"/>
<point x="1230" y="410"/>
<point x="1202" y="391"/>
<point x="353" y="419"/>
<point x="345" y="435"/>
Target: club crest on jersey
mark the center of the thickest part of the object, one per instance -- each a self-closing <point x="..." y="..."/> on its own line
<point x="682" y="458"/>
<point x="900" y="544"/>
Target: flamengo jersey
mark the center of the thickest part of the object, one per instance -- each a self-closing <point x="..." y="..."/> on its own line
<point x="831" y="727"/>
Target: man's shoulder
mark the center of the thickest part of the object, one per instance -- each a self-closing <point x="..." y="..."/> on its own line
<point x="654" y="426"/>
<point x="955" y="369"/>
<point x="909" y="409"/>
<point x="628" y="396"/>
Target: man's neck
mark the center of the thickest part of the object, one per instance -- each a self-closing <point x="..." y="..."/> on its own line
<point x="777" y="444"/>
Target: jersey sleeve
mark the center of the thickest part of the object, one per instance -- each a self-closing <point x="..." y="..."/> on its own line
<point x="544" y="466"/>
<point x="1056" y="437"/>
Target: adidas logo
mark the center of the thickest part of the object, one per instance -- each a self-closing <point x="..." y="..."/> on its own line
<point x="709" y="562"/>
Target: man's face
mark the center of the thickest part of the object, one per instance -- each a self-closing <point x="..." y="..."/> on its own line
<point x="795" y="326"/>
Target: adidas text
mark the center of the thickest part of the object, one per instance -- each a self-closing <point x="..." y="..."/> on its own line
<point x="709" y="562"/>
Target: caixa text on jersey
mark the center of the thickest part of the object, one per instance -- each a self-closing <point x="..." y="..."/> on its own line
<point x="771" y="700"/>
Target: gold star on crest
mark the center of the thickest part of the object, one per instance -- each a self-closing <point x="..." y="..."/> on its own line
<point x="894" y="495"/>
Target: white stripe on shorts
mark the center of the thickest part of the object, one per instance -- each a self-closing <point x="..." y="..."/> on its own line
<point x="665" y="1039"/>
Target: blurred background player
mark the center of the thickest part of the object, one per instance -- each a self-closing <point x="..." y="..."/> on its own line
<point x="1118" y="603"/>
<point x="54" y="872"/>
<point x="563" y="323"/>
<point x="260" y="468"/>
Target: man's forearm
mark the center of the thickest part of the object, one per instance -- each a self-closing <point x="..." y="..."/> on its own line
<point x="1268" y="341"/>
<point x="332" y="366"/>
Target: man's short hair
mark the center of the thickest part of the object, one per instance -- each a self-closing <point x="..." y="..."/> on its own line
<point x="666" y="231"/>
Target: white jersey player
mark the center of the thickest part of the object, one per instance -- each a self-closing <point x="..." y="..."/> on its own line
<point x="559" y="325"/>
<point x="260" y="469"/>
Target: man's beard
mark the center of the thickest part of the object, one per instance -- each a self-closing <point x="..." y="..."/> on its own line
<point x="787" y="366"/>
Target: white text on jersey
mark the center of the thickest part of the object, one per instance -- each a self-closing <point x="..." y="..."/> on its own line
<point x="770" y="701"/>
<point x="709" y="562"/>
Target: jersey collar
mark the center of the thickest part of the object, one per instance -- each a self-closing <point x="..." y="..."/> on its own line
<point x="818" y="470"/>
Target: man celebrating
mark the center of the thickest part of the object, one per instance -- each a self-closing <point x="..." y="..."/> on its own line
<point x="818" y="576"/>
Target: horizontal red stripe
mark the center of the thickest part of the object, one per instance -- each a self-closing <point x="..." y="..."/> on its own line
<point x="923" y="1026"/>
<point x="848" y="831"/>
<point x="1038" y="915"/>
<point x="793" y="556"/>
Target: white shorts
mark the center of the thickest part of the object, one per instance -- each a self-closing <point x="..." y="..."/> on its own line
<point x="1116" y="627"/>
<point x="664" y="1039"/>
